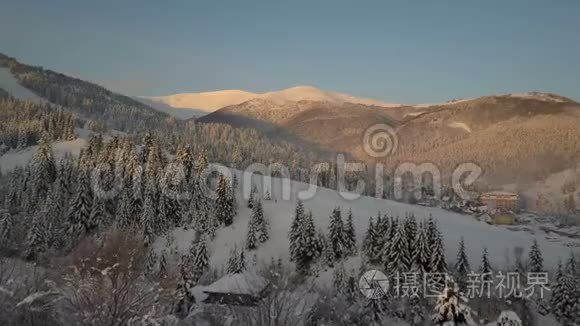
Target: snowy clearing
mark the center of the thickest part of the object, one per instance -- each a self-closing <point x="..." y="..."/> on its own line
<point x="10" y="84"/>
<point x="17" y="158"/>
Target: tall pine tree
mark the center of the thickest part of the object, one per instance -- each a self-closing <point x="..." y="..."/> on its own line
<point x="336" y="234"/>
<point x="349" y="235"/>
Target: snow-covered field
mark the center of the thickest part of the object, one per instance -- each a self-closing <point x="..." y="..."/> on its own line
<point x="499" y="241"/>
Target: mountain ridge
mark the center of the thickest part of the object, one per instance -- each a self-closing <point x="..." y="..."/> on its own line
<point x="214" y="100"/>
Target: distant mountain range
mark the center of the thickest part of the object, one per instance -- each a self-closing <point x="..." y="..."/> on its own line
<point x="207" y="102"/>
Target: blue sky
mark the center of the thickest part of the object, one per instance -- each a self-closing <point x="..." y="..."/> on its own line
<point x="400" y="51"/>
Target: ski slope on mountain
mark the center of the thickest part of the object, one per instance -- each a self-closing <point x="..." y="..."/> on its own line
<point x="10" y="84"/>
<point x="499" y="241"/>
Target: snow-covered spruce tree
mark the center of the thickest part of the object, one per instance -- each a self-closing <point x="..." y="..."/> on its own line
<point x="149" y="216"/>
<point x="262" y="225"/>
<point x="184" y="157"/>
<point x="320" y="243"/>
<point x="154" y="163"/>
<point x="336" y="234"/>
<point x="232" y="196"/>
<point x="163" y="224"/>
<point x="399" y="259"/>
<point x="536" y="261"/>
<point x="339" y="278"/>
<point x="432" y="231"/>
<point x="509" y="318"/>
<point x="54" y="206"/>
<point x="241" y="267"/>
<point x="251" y="199"/>
<point x="36" y="239"/>
<point x="224" y="203"/>
<point x="411" y="229"/>
<point x="374" y="311"/>
<point x="571" y="268"/>
<point x="386" y="230"/>
<point x="327" y="257"/>
<point x="184" y="295"/>
<point x="304" y="249"/>
<point x="200" y="258"/>
<point x="78" y="217"/>
<point x="199" y="200"/>
<point x="236" y="262"/>
<point x="451" y="308"/>
<point x="564" y="301"/>
<point x="97" y="218"/>
<point x="174" y="213"/>
<point x="437" y="263"/>
<point x="485" y="268"/>
<point x="65" y="175"/>
<point x="293" y="234"/>
<point x="136" y="204"/>
<point x="13" y="198"/>
<point x="43" y="169"/>
<point x="200" y="163"/>
<point x="368" y="237"/>
<point x="376" y="244"/>
<point x="349" y="235"/>
<point x="421" y="252"/>
<point x="6" y="225"/>
<point x="123" y="213"/>
<point x="252" y="237"/>
<point x="163" y="269"/>
<point x="462" y="267"/>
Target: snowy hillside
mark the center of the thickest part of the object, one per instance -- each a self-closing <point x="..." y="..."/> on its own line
<point x="17" y="158"/>
<point x="10" y="84"/>
<point x="499" y="241"/>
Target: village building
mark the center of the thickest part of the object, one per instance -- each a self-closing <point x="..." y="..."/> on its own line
<point x="501" y="200"/>
<point x="498" y="217"/>
<point x="244" y="289"/>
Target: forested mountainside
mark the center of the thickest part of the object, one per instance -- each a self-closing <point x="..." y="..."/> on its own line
<point x="512" y="138"/>
<point x="84" y="98"/>
<point x="516" y="137"/>
<point x="23" y="124"/>
<point x="101" y="111"/>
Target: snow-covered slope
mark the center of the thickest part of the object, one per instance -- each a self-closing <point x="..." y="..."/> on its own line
<point x="204" y="101"/>
<point x="10" y="84"/>
<point x="499" y="241"/>
<point x="310" y="93"/>
<point x="180" y="113"/>
<point x="212" y="101"/>
<point x="17" y="158"/>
